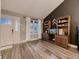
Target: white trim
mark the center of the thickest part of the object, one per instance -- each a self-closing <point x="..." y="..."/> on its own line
<point x="0" y="56"/>
<point x="10" y="46"/>
<point x="5" y="47"/>
<point x="71" y="45"/>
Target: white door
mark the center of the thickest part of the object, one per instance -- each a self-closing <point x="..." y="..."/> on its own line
<point x="5" y="31"/>
<point x="9" y="30"/>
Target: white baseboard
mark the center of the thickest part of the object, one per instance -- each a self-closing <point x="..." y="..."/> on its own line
<point x="10" y="46"/>
<point x="0" y="56"/>
<point x="71" y="45"/>
<point x="5" y="47"/>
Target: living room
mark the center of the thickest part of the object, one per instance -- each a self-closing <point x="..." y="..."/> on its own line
<point x="39" y="29"/>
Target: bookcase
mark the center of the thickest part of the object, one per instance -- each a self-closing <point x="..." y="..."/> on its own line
<point x="46" y="25"/>
<point x="50" y="26"/>
<point x="63" y="33"/>
<point x="64" y="25"/>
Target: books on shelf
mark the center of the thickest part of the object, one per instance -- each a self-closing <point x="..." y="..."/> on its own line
<point x="64" y="25"/>
<point x="61" y="32"/>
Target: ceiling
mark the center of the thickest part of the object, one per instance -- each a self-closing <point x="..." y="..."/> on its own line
<point x="31" y="8"/>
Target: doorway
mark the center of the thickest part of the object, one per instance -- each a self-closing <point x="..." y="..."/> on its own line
<point x="9" y="30"/>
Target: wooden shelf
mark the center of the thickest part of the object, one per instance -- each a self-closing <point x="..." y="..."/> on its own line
<point x="47" y="25"/>
<point x="62" y="26"/>
<point x="62" y="41"/>
<point x="62" y="22"/>
<point x="63" y="35"/>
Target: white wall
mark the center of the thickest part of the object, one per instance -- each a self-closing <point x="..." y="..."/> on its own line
<point x="0" y="56"/>
<point x="0" y="8"/>
<point x="27" y="28"/>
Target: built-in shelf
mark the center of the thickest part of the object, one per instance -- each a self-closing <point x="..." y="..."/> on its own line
<point x="47" y="25"/>
<point x="64" y="24"/>
<point x="63" y="35"/>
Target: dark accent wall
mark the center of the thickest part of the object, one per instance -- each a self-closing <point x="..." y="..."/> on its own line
<point x="68" y="7"/>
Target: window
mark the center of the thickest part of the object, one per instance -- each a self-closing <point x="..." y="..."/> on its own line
<point x="5" y="21"/>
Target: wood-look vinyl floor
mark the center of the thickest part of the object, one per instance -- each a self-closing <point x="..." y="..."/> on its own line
<point x="38" y="50"/>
